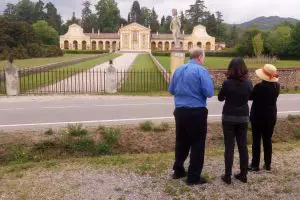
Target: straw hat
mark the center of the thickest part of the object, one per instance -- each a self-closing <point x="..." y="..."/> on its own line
<point x="268" y="73"/>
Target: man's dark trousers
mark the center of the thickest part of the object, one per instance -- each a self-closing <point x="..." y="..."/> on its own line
<point x="191" y="131"/>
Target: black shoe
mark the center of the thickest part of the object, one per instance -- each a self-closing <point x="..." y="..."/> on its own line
<point x="242" y="178"/>
<point x="226" y="179"/>
<point x="179" y="174"/>
<point x="253" y="169"/>
<point x="198" y="182"/>
<point x="268" y="168"/>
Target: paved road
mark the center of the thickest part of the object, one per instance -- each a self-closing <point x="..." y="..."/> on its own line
<point x="48" y="111"/>
<point x="91" y="80"/>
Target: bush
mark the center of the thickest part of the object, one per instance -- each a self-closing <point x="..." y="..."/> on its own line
<point x="53" y="51"/>
<point x="293" y="117"/>
<point x="49" y="132"/>
<point x="45" y="145"/>
<point x="111" y="135"/>
<point x="35" y="50"/>
<point x="76" y="130"/>
<point x="19" y="52"/>
<point x="208" y="53"/>
<point x="18" y="153"/>
<point x="85" y="51"/>
<point x="83" y="145"/>
<point x="297" y="133"/>
<point x="162" y="127"/>
<point x="146" y="126"/>
<point x="103" y="149"/>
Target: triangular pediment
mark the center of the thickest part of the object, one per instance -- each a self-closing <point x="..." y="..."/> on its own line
<point x="135" y="27"/>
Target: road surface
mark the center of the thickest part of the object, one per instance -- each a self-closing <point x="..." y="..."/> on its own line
<point x="58" y="111"/>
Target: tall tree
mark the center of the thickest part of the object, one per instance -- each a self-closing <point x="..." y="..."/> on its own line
<point x="135" y="13"/>
<point x="45" y="33"/>
<point x="294" y="47"/>
<point x="163" y="21"/>
<point x="196" y="13"/>
<point x="185" y="24"/>
<point x="10" y="10"/>
<point x="154" y="24"/>
<point x="88" y="19"/>
<point x="25" y="11"/>
<point x="108" y="15"/>
<point x="65" y="26"/>
<point x="39" y="11"/>
<point x="258" y="44"/>
<point x="233" y="36"/>
<point x="245" y="46"/>
<point x="52" y="17"/>
<point x="145" y="16"/>
<point x="278" y="40"/>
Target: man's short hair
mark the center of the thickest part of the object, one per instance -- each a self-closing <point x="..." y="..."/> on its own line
<point x="196" y="52"/>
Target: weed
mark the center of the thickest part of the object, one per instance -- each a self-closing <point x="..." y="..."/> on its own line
<point x="162" y="127"/>
<point x="146" y="126"/>
<point x="293" y="117"/>
<point x="83" y="145"/>
<point x="100" y="128"/>
<point x="111" y="135"/>
<point x="76" y="130"/>
<point x="49" y="132"/>
<point x="103" y="149"/>
<point x="44" y="145"/>
<point x="18" y="154"/>
<point x="297" y="133"/>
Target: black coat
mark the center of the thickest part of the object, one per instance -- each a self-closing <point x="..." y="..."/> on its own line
<point x="264" y="96"/>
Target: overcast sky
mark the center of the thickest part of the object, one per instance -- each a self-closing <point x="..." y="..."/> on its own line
<point x="234" y="11"/>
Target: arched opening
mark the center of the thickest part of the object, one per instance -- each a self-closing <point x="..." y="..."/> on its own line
<point x="75" y="45"/>
<point x="100" y="44"/>
<point x="173" y="45"/>
<point x="181" y="45"/>
<point x="107" y="45"/>
<point x="83" y="45"/>
<point x="66" y="44"/>
<point x="199" y="44"/>
<point x="167" y="46"/>
<point x="190" y="45"/>
<point x="153" y="46"/>
<point x="94" y="45"/>
<point x="160" y="46"/>
<point x="208" y="46"/>
<point x="114" y="46"/>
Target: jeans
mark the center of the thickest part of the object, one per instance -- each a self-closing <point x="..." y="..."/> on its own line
<point x="231" y="132"/>
<point x="191" y="131"/>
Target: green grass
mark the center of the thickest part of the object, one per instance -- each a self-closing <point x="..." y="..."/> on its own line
<point x="51" y="77"/>
<point x="143" y="77"/>
<point x="33" y="62"/>
<point x="222" y="62"/>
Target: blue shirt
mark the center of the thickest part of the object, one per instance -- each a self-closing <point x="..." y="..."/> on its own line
<point x="191" y="85"/>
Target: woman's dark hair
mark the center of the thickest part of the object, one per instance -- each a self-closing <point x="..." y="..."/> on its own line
<point x="237" y="69"/>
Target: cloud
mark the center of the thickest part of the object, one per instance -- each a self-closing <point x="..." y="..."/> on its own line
<point x="234" y="11"/>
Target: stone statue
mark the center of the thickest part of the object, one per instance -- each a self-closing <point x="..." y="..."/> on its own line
<point x="175" y="27"/>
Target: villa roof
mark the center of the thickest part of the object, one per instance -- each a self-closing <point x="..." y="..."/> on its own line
<point x="164" y="36"/>
<point x="104" y="35"/>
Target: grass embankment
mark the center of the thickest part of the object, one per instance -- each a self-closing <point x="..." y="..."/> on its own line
<point x="33" y="160"/>
<point x="143" y="77"/>
<point x="50" y="77"/>
<point x="222" y="63"/>
<point x="34" y="62"/>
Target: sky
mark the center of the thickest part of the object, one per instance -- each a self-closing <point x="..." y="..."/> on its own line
<point x="234" y="11"/>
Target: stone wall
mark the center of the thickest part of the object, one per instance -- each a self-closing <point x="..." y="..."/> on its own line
<point x="289" y="78"/>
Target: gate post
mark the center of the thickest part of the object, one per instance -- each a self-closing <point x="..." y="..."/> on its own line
<point x="111" y="83"/>
<point x="12" y="78"/>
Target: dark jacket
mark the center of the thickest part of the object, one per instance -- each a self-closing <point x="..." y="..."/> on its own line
<point x="264" y="96"/>
<point x="236" y="94"/>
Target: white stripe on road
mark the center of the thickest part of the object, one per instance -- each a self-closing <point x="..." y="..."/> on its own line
<point x="113" y="120"/>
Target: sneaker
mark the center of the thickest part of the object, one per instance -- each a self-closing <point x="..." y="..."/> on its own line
<point x="198" y="182"/>
<point x="226" y="179"/>
<point x="241" y="177"/>
<point x="179" y="174"/>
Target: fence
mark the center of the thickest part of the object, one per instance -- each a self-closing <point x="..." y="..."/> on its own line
<point x="80" y="81"/>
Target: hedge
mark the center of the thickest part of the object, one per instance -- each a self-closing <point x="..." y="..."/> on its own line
<point x="85" y="51"/>
<point x="208" y="53"/>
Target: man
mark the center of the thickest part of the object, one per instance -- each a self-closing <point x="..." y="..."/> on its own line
<point x="191" y="85"/>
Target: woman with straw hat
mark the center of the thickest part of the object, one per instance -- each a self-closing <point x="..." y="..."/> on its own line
<point x="263" y="114"/>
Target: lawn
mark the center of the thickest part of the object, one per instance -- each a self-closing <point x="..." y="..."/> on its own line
<point x="143" y="77"/>
<point x="48" y="78"/>
<point x="27" y="63"/>
<point x="222" y="62"/>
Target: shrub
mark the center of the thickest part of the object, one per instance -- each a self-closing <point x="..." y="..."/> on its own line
<point x="103" y="149"/>
<point x="111" y="135"/>
<point x="146" y="126"/>
<point x="44" y="145"/>
<point x="208" y="53"/>
<point x="293" y="117"/>
<point x="162" y="127"/>
<point x="76" y="130"/>
<point x="53" y="51"/>
<point x="49" y="132"/>
<point x="35" y="50"/>
<point x="101" y="128"/>
<point x="83" y="145"/>
<point x="297" y="133"/>
<point x="18" y="153"/>
<point x="19" y="52"/>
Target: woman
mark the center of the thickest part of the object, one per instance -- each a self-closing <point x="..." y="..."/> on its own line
<point x="264" y="114"/>
<point x="236" y="91"/>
